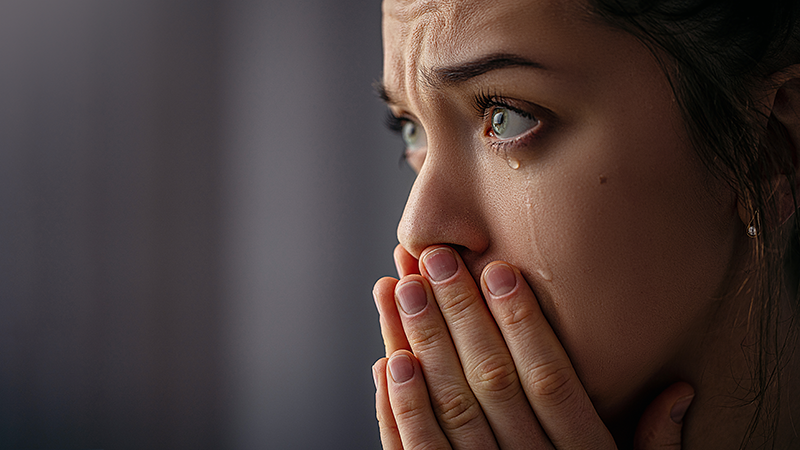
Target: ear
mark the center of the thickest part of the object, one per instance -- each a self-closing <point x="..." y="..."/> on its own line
<point x="785" y="109"/>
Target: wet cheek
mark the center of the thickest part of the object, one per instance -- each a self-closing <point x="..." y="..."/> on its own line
<point x="623" y="291"/>
<point x="592" y="300"/>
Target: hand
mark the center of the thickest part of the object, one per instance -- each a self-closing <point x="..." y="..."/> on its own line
<point x="459" y="375"/>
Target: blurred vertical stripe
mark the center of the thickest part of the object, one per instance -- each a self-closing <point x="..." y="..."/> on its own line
<point x="109" y="232"/>
<point x="195" y="199"/>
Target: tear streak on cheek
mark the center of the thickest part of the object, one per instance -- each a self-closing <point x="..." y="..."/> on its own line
<point x="541" y="267"/>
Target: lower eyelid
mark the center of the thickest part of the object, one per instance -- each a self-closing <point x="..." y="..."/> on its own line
<point x="521" y="140"/>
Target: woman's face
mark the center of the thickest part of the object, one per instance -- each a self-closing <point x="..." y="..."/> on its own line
<point x="554" y="142"/>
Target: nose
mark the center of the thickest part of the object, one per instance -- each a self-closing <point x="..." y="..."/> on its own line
<point x="444" y="207"/>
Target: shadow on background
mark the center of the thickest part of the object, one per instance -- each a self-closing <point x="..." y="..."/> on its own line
<point x="195" y="199"/>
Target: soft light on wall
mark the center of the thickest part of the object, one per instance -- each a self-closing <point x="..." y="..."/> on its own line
<point x="195" y="199"/>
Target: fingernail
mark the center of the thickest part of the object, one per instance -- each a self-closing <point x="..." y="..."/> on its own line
<point x="680" y="407"/>
<point x="401" y="369"/>
<point x="411" y="297"/>
<point x="500" y="279"/>
<point x="441" y="264"/>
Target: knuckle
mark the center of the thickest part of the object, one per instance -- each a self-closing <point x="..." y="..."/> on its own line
<point x="409" y="411"/>
<point x="457" y="410"/>
<point x="425" y="338"/>
<point x="454" y="304"/>
<point x="553" y="386"/>
<point x="522" y="319"/>
<point x="495" y="376"/>
<point x="520" y="314"/>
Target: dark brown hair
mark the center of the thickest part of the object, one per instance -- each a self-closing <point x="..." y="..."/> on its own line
<point x="719" y="55"/>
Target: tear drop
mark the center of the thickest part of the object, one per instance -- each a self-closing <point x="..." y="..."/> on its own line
<point x="545" y="274"/>
<point x="513" y="163"/>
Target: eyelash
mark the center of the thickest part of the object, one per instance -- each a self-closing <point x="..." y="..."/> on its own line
<point x="394" y="123"/>
<point x="483" y="102"/>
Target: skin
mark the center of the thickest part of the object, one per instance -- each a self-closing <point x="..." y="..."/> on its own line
<point x="601" y="309"/>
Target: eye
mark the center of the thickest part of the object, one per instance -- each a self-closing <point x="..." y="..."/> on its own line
<point x="508" y="123"/>
<point x="413" y="136"/>
<point x="411" y="132"/>
<point x="415" y="141"/>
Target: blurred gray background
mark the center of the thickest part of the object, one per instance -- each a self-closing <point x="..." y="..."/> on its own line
<point x="195" y="200"/>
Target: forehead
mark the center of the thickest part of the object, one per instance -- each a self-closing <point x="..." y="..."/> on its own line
<point x="435" y="27"/>
<point x="422" y="34"/>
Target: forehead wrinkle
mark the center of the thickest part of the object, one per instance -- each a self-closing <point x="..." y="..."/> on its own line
<point x="409" y="10"/>
<point x="412" y="70"/>
<point x="424" y="28"/>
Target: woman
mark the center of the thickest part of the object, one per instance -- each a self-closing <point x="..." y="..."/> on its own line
<point x="597" y="250"/>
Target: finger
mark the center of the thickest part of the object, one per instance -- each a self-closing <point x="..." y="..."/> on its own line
<point x="405" y="263"/>
<point x="456" y="408"/>
<point x="394" y="338"/>
<point x="662" y="421"/>
<point x="390" y="436"/>
<point x="410" y="403"/>
<point x="564" y="410"/>
<point x="487" y="364"/>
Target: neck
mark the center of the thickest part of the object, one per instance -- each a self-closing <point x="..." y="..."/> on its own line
<point x="722" y="363"/>
<point x="745" y="396"/>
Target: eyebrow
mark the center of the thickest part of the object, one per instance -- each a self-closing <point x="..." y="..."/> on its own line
<point x="441" y="77"/>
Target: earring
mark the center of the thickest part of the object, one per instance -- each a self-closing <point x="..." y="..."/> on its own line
<point x="754" y="227"/>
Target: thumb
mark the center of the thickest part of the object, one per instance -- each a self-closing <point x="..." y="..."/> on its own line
<point x="662" y="421"/>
